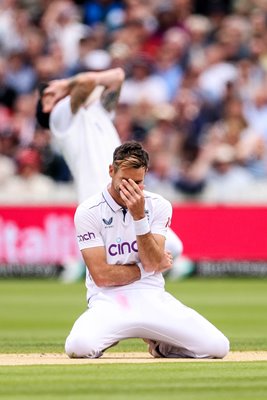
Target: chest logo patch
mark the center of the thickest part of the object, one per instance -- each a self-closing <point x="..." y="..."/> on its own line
<point x="107" y="222"/>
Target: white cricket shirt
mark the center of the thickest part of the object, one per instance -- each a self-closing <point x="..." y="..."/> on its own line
<point x="100" y="221"/>
<point x="87" y="141"/>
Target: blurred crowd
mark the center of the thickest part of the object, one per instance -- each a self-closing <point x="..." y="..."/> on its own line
<point x="195" y="92"/>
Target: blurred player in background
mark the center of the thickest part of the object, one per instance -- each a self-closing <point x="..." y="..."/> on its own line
<point x="79" y="113"/>
<point x="82" y="124"/>
<point x="121" y="233"/>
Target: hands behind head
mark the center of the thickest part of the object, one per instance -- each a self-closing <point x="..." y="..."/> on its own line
<point x="55" y="91"/>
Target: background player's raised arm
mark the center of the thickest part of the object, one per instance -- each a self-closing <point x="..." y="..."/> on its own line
<point x="81" y="86"/>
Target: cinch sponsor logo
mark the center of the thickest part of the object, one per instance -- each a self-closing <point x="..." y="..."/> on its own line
<point x="86" y="236"/>
<point x="122" y="248"/>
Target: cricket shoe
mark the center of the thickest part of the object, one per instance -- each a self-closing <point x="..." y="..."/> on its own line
<point x="153" y="348"/>
<point x="164" y="350"/>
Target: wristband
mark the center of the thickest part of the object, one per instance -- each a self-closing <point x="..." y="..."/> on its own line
<point x="141" y="226"/>
<point x="144" y="273"/>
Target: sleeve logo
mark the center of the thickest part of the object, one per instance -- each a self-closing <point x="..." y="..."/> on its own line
<point x="168" y="223"/>
<point x="86" y="236"/>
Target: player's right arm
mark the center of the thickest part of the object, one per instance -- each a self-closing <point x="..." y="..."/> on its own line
<point x="92" y="246"/>
<point x="106" y="275"/>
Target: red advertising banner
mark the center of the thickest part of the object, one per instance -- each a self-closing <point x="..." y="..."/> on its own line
<point x="37" y="235"/>
<point x="46" y="235"/>
<point x="222" y="232"/>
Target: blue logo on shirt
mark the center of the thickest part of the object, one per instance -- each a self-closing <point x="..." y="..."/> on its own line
<point x="107" y="221"/>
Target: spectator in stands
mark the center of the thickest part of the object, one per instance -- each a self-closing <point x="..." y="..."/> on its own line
<point x="7" y="93"/>
<point x="109" y="12"/>
<point x="255" y="110"/>
<point x="169" y="62"/>
<point x="23" y="120"/>
<point x="123" y="122"/>
<point x="13" y="22"/>
<point x="159" y="177"/>
<point x="246" y="141"/>
<point x="29" y="185"/>
<point x="143" y="85"/>
<point x="227" y="180"/>
<point x="20" y="75"/>
<point x="198" y="28"/>
<point x="7" y="169"/>
<point x="48" y="67"/>
<point x="61" y="21"/>
<point x="52" y="163"/>
<point x="217" y="73"/>
<point x="234" y="35"/>
<point x="9" y="142"/>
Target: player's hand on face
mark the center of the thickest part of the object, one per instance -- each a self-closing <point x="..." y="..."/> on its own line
<point x="133" y="197"/>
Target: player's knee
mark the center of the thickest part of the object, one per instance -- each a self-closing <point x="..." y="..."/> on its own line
<point x="220" y="346"/>
<point x="224" y="347"/>
<point x="81" y="347"/>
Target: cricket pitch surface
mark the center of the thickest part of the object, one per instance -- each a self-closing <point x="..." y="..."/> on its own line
<point x="120" y="358"/>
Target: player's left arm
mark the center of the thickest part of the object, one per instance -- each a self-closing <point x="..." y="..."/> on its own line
<point x="151" y="250"/>
<point x="82" y="86"/>
<point x="112" y="81"/>
<point x="151" y="245"/>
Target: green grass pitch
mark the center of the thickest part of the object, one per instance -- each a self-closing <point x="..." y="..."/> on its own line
<point x="36" y="316"/>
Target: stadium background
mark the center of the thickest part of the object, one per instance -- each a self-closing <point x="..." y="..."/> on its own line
<point x="204" y="124"/>
<point x="195" y="96"/>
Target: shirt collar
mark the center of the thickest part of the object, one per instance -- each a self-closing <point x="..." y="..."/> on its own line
<point x="110" y="201"/>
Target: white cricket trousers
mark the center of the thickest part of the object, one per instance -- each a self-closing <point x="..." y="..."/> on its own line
<point x="150" y="314"/>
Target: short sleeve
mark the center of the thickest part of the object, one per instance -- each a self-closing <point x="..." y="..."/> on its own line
<point x="88" y="229"/>
<point x="162" y="217"/>
<point x="61" y="117"/>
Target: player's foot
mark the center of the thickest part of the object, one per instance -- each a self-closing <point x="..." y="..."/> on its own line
<point x="153" y="348"/>
<point x="164" y="350"/>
